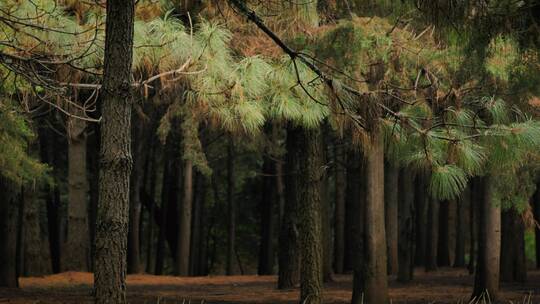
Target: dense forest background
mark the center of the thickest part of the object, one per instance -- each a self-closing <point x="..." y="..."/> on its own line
<point x="301" y="139"/>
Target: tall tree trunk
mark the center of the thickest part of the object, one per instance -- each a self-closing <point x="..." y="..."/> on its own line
<point x="536" y="210"/>
<point x="139" y="148"/>
<point x="326" y="215"/>
<point x="310" y="176"/>
<point x="167" y="180"/>
<point x="421" y="209"/>
<point x="266" y="250"/>
<point x="48" y="150"/>
<point x="355" y="212"/>
<point x="33" y="258"/>
<point x="475" y="202"/>
<point x="486" y="281"/>
<point x="289" y="257"/>
<point x="463" y="203"/>
<point x="151" y="182"/>
<point x="432" y="239"/>
<point x="116" y="161"/>
<point x="447" y="230"/>
<point x="184" y="218"/>
<point x="77" y="249"/>
<point x="93" y="149"/>
<point x="197" y="227"/>
<point x="8" y="234"/>
<point x="391" y="179"/>
<point x="406" y="225"/>
<point x="231" y="209"/>
<point x="513" y="260"/>
<point x="374" y="277"/>
<point x="339" y="211"/>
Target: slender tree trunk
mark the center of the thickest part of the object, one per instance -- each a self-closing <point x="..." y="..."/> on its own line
<point x="463" y="202"/>
<point x="184" y="218"/>
<point x="406" y="225"/>
<point x="486" y="280"/>
<point x="32" y="256"/>
<point x="116" y="162"/>
<point x="536" y="210"/>
<point x="432" y="235"/>
<point x="447" y="229"/>
<point x="391" y="178"/>
<point x="289" y="256"/>
<point x="93" y="149"/>
<point x="421" y="209"/>
<point x="231" y="209"/>
<point x="355" y="212"/>
<point x="475" y="199"/>
<point x="8" y="234"/>
<point x="165" y="193"/>
<point x="326" y="214"/>
<point x="311" y="175"/>
<point x="266" y="250"/>
<point x="339" y="215"/>
<point x="151" y="182"/>
<point x="77" y="249"/>
<point x="374" y="277"/>
<point x="513" y="260"/>
<point x="139" y="155"/>
<point x="197" y="228"/>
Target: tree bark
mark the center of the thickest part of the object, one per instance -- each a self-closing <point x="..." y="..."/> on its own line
<point x="140" y="150"/>
<point x="391" y="179"/>
<point x="374" y="277"/>
<point x="116" y="161"/>
<point x="432" y="239"/>
<point x="339" y="215"/>
<point x="165" y="193"/>
<point x="513" y="260"/>
<point x="475" y="202"/>
<point x="8" y="234"/>
<point x="326" y="214"/>
<point x="406" y="225"/>
<point x="231" y="209"/>
<point x="289" y="257"/>
<point x="266" y="250"/>
<point x="447" y="231"/>
<point x="184" y="218"/>
<point x="311" y="173"/>
<point x="463" y="202"/>
<point x="355" y="212"/>
<point x="77" y="250"/>
<point x="486" y="281"/>
<point x="33" y="258"/>
<point x="421" y="209"/>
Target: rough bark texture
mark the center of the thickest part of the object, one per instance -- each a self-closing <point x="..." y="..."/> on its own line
<point x="326" y="217"/>
<point x="289" y="257"/>
<point x="311" y="174"/>
<point x="8" y="234"/>
<point x="406" y="225"/>
<point x="476" y="198"/>
<point x="184" y="218"/>
<point x="374" y="276"/>
<point x="391" y="178"/>
<point x="116" y="161"/>
<point x="77" y="250"/>
<point x="513" y="260"/>
<point x="266" y="248"/>
<point x="486" y="281"/>
<point x="231" y="210"/>
<point x="339" y="211"/>
<point x="432" y="238"/>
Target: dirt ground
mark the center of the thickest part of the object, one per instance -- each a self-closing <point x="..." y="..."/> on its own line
<point x="444" y="286"/>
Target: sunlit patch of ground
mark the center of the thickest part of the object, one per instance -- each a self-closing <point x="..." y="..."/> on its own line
<point x="445" y="286"/>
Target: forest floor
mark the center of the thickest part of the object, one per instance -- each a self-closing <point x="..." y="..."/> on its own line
<point x="444" y="286"/>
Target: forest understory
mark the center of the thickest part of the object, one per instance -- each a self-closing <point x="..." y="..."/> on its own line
<point x="447" y="285"/>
